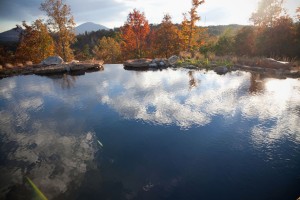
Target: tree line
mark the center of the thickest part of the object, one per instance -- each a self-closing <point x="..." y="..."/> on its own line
<point x="273" y="34"/>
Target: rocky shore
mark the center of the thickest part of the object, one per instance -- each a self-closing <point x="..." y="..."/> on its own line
<point x="267" y="66"/>
<point x="47" y="68"/>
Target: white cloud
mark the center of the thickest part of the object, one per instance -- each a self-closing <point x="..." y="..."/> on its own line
<point x="114" y="13"/>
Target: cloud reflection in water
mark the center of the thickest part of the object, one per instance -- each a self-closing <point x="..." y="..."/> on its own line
<point x="37" y="147"/>
<point x="42" y="120"/>
<point x="168" y="98"/>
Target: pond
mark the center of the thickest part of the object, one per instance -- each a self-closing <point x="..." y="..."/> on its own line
<point x="170" y="134"/>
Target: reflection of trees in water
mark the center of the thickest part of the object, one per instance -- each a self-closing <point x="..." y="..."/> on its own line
<point x="65" y="81"/>
<point x="192" y="82"/>
<point x="256" y="83"/>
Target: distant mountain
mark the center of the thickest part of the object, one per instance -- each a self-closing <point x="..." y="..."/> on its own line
<point x="89" y="27"/>
<point x="12" y="35"/>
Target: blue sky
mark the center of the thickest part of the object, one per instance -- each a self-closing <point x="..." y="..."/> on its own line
<point x="113" y="13"/>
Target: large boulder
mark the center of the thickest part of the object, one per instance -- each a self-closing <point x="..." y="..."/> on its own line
<point x="221" y="70"/>
<point x="138" y="63"/>
<point x="173" y="60"/>
<point x="8" y="66"/>
<point x="28" y="63"/>
<point x="153" y="65"/>
<point x="52" y="60"/>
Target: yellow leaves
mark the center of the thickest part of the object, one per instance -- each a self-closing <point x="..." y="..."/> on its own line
<point x="108" y="50"/>
<point x="62" y="22"/>
<point x="189" y="31"/>
<point x="36" y="43"/>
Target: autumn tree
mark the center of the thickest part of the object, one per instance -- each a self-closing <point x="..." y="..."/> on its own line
<point x="278" y="41"/>
<point x="108" y="50"/>
<point x="245" y="41"/>
<point x="297" y="25"/>
<point x="267" y="13"/>
<point x="133" y="34"/>
<point x="166" y="38"/>
<point x="189" y="30"/>
<point x="36" y="43"/>
<point x="62" y="24"/>
<point x="225" y="44"/>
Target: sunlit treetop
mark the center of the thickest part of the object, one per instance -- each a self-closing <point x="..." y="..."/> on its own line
<point x="268" y="12"/>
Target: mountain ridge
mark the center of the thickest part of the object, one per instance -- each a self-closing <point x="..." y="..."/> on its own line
<point x="89" y="27"/>
<point x="12" y="35"/>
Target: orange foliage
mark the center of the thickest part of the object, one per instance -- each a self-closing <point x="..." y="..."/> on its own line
<point x="166" y="38"/>
<point x="36" y="43"/>
<point x="134" y="34"/>
<point x="189" y="30"/>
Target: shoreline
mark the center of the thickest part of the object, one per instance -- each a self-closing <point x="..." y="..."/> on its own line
<point x="39" y="69"/>
<point x="279" y="71"/>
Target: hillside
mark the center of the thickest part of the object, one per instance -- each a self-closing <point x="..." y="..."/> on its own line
<point x="11" y="35"/>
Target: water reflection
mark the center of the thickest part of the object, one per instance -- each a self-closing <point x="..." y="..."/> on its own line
<point x="47" y="125"/>
<point x="256" y="83"/>
<point x="161" y="98"/>
<point x="192" y="82"/>
<point x="65" y="81"/>
<point x="34" y="144"/>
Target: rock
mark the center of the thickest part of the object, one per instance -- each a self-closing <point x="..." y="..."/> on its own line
<point x="100" y="62"/>
<point x="154" y="65"/>
<point x="8" y="66"/>
<point x="190" y="67"/>
<point x="221" y="70"/>
<point x="53" y="60"/>
<point x="138" y="63"/>
<point x="156" y="60"/>
<point x="28" y="63"/>
<point x="162" y="64"/>
<point x="173" y="60"/>
<point x="19" y="65"/>
<point x="75" y="61"/>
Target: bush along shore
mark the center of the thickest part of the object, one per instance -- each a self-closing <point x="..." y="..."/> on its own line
<point x="221" y="65"/>
<point x="49" y="66"/>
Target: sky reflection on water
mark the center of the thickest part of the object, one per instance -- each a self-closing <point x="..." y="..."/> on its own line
<point x="49" y="126"/>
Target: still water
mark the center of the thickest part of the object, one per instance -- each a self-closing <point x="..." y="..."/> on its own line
<point x="171" y="134"/>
